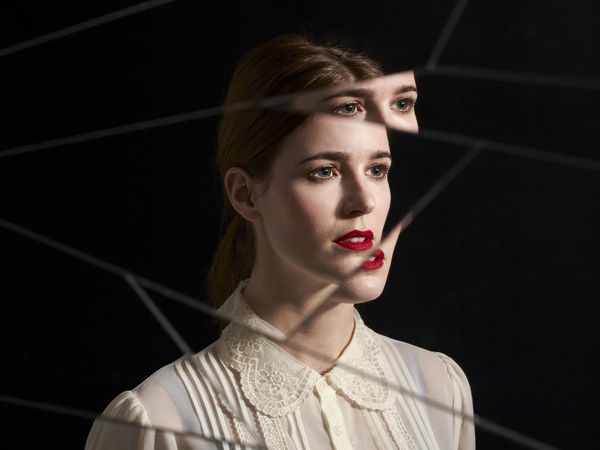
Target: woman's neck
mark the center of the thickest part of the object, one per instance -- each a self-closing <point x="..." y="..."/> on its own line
<point x="284" y="302"/>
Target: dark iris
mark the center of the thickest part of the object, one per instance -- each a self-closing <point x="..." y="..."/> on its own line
<point x="348" y="108"/>
<point x="325" y="172"/>
<point x="376" y="171"/>
<point x="403" y="104"/>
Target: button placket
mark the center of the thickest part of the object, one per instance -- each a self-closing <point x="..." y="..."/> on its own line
<point x="332" y="415"/>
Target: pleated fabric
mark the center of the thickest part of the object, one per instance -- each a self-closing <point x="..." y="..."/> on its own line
<point x="245" y="392"/>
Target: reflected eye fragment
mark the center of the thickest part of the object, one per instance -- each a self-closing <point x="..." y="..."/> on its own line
<point x="404" y="105"/>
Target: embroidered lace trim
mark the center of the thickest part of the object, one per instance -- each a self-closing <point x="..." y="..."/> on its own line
<point x="398" y="430"/>
<point x="269" y="384"/>
<point x="272" y="432"/>
<point x="276" y="385"/>
<point x="245" y="437"/>
<point x="366" y="358"/>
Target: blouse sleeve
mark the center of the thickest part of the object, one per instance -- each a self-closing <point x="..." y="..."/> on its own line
<point x="463" y="430"/>
<point x="130" y="431"/>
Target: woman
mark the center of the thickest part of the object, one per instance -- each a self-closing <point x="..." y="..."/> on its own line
<point x="307" y="201"/>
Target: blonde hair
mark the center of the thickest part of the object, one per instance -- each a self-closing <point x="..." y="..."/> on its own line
<point x="249" y="138"/>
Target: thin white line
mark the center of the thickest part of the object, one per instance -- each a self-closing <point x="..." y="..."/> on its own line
<point x="424" y="201"/>
<point x="158" y="314"/>
<point x="446" y="34"/>
<point x="404" y="222"/>
<point x="83" y="414"/>
<point x="279" y="103"/>
<point x="82" y="26"/>
<point x="440" y="185"/>
<point x="201" y="306"/>
<point x="509" y="76"/>
<point x="113" y="131"/>
<point x="120" y="271"/>
<point x="63" y="248"/>
<point x="578" y="162"/>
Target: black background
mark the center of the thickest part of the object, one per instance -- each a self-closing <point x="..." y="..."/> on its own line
<point x="500" y="272"/>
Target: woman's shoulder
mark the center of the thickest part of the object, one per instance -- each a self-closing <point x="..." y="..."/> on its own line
<point x="435" y="376"/>
<point x="433" y="372"/>
<point x="161" y="402"/>
<point x="163" y="397"/>
<point x="414" y="354"/>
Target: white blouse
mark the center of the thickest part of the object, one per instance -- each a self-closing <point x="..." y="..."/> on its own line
<point x="244" y="391"/>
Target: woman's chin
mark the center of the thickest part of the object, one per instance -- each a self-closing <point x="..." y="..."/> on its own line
<point x="362" y="287"/>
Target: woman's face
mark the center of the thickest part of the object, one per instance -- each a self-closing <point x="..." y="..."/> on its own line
<point x="324" y="205"/>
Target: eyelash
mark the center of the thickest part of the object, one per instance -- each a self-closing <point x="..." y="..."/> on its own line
<point x="355" y="103"/>
<point x="409" y="100"/>
<point x="313" y="173"/>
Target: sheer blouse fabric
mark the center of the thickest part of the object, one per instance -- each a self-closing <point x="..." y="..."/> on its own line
<point x="244" y="391"/>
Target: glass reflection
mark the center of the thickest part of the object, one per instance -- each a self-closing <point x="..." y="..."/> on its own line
<point x="389" y="100"/>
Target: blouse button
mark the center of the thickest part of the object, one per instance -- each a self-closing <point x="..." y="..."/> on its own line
<point x="337" y="430"/>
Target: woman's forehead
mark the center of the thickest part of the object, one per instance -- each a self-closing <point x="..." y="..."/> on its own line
<point x="390" y="83"/>
<point x="328" y="133"/>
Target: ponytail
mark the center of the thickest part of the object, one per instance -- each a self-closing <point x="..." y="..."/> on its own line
<point x="233" y="259"/>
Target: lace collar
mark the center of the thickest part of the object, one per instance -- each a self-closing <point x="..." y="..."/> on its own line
<point x="276" y="383"/>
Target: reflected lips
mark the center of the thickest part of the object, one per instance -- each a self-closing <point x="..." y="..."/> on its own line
<point x="375" y="262"/>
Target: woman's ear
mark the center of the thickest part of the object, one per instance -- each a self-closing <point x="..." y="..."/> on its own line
<point x="240" y="188"/>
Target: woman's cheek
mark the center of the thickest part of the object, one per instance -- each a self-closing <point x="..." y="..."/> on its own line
<point x="313" y="200"/>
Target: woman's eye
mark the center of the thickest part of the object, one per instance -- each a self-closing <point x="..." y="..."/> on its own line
<point x="404" y="104"/>
<point x="347" y="109"/>
<point x="379" y="171"/>
<point x="323" y="173"/>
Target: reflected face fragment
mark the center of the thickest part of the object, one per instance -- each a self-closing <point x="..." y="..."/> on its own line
<point x="389" y="100"/>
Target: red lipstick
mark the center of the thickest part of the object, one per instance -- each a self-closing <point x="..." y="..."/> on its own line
<point x="356" y="240"/>
<point x="375" y="262"/>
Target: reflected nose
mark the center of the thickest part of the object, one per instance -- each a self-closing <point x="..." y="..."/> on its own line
<point x="380" y="113"/>
<point x="359" y="200"/>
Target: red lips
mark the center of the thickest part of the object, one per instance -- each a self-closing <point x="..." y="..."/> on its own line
<point x="365" y="244"/>
<point x="376" y="263"/>
<point x="350" y="242"/>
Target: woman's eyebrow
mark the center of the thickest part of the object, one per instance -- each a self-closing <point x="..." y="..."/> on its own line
<point x="362" y="93"/>
<point x="343" y="156"/>
<point x="350" y="93"/>
<point x="405" y="88"/>
<point x="381" y="154"/>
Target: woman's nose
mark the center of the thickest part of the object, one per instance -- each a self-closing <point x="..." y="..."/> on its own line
<point x="360" y="199"/>
<point x="377" y="114"/>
